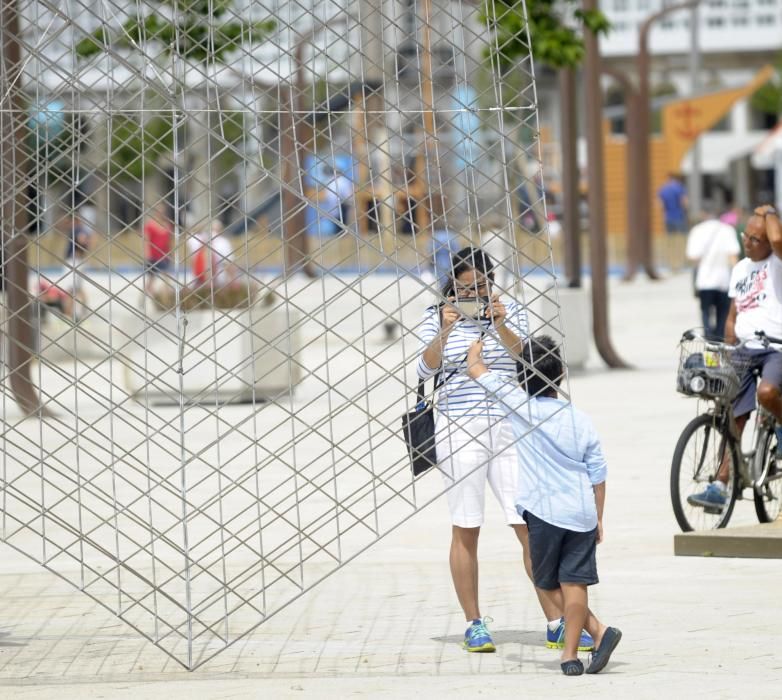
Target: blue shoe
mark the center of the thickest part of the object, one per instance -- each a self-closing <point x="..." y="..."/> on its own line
<point x="477" y="637"/>
<point x="712" y="497"/>
<point x="556" y="639"/>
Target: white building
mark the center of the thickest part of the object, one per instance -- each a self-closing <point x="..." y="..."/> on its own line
<point x="735" y="39"/>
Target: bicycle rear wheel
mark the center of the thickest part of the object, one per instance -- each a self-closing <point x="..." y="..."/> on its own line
<point x="700" y="450"/>
<point x="767" y="489"/>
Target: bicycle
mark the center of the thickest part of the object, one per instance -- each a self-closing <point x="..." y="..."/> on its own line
<point x="712" y="371"/>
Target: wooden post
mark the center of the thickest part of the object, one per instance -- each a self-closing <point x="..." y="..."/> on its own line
<point x="19" y="331"/>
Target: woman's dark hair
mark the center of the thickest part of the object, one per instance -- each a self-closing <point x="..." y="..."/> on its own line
<point x="541" y="369"/>
<point x="468" y="258"/>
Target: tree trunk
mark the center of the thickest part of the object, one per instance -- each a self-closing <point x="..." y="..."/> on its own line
<point x="19" y="332"/>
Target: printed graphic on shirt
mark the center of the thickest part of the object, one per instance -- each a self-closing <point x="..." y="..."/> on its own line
<point x="751" y="290"/>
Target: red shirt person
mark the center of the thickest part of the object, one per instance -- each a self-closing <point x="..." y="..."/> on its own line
<point x="157" y="246"/>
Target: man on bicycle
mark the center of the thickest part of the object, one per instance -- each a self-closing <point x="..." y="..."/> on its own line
<point x="756" y="293"/>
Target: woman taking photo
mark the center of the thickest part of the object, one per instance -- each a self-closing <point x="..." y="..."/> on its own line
<point x="474" y="445"/>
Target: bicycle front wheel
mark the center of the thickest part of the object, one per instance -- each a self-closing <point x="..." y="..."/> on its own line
<point x="767" y="489"/>
<point x="704" y="447"/>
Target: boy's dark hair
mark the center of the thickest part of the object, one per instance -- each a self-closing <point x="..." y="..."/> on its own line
<point x="468" y="258"/>
<point x="541" y="370"/>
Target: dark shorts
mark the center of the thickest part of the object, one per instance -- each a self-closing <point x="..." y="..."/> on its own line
<point x="156" y="267"/>
<point x="674" y="227"/>
<point x="559" y="555"/>
<point x="769" y="362"/>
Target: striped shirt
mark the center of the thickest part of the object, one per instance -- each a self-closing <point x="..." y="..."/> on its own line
<point x="461" y="396"/>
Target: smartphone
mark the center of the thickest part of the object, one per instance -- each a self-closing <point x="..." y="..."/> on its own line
<point x="472" y="307"/>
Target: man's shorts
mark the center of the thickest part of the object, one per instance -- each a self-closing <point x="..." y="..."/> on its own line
<point x="769" y="362"/>
<point x="472" y="452"/>
<point x="157" y="267"/>
<point x="559" y="555"/>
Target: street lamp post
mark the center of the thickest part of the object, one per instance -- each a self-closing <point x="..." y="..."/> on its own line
<point x="632" y="109"/>
<point x="596" y="196"/>
<point x="643" y="163"/>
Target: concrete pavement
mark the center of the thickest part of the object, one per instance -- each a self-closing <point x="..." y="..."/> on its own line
<point x="388" y="624"/>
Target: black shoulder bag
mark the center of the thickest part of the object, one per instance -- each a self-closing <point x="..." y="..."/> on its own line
<point x="418" y="428"/>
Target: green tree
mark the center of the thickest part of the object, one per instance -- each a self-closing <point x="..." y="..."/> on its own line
<point x="552" y="40"/>
<point x="195" y="33"/>
<point x="768" y="97"/>
<point x="199" y="31"/>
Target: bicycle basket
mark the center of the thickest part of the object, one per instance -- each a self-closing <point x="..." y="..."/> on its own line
<point x="709" y="370"/>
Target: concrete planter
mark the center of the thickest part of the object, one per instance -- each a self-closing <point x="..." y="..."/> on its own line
<point x="235" y="355"/>
<point x="575" y="315"/>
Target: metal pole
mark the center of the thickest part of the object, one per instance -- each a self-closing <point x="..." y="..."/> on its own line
<point x="597" y="240"/>
<point x="19" y="332"/>
<point x="694" y="183"/>
<point x="294" y="233"/>
<point x="571" y="228"/>
<point x="634" y="135"/>
<point x="644" y="126"/>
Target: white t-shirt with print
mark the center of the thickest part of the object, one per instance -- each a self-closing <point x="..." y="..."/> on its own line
<point x="713" y="244"/>
<point x="756" y="287"/>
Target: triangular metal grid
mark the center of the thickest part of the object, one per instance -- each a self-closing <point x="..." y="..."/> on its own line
<point x="208" y="449"/>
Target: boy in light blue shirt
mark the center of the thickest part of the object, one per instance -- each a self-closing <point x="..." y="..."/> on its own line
<point x="561" y="493"/>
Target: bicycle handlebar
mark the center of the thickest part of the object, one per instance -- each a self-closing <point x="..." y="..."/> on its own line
<point x="766" y="340"/>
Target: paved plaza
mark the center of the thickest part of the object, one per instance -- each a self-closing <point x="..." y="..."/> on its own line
<point x="388" y="625"/>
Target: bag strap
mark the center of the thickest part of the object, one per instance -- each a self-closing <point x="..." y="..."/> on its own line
<point x="421" y="393"/>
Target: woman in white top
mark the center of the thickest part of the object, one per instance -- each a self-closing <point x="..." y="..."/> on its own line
<point x="474" y="443"/>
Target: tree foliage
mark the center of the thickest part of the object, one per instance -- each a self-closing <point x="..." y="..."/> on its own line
<point x="552" y="39"/>
<point x="768" y="97"/>
<point x="198" y="31"/>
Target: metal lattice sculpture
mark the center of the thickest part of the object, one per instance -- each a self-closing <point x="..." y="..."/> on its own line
<point x="196" y="446"/>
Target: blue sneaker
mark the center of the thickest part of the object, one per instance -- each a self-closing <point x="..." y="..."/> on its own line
<point x="712" y="497"/>
<point x="556" y="639"/>
<point x="477" y="637"/>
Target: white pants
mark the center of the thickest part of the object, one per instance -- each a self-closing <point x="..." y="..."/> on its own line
<point x="470" y="452"/>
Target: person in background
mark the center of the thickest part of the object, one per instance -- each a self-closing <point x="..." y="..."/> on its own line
<point x="77" y="249"/>
<point x="157" y="246"/>
<point x="756" y="293"/>
<point x="713" y="247"/>
<point x="673" y="197"/>
<point x="445" y="243"/>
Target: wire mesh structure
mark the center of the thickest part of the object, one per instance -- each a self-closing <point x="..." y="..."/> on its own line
<point x="222" y="222"/>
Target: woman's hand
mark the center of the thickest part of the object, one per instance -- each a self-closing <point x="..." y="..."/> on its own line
<point x="448" y="316"/>
<point x="496" y="311"/>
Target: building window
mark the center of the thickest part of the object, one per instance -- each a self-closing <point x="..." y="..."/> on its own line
<point x="620" y="5"/>
<point x="715" y="22"/>
<point x="724" y="124"/>
<point x="643" y="5"/>
<point x="765" y="20"/>
<point x="739" y="21"/>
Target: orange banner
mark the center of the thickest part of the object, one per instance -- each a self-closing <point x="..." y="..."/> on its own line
<point x="684" y="120"/>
